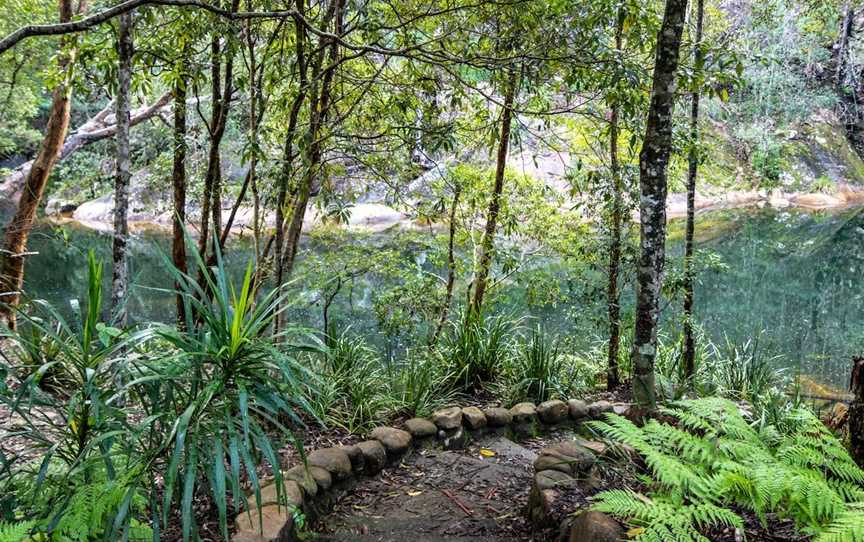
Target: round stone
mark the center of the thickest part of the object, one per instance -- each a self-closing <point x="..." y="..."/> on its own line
<point x="354" y="455"/>
<point x="553" y="479"/>
<point x="595" y="526"/>
<point x="333" y="460"/>
<point x="599" y="408"/>
<point x="473" y="417"/>
<point x="448" y="418"/>
<point x="578" y="409"/>
<point x="277" y="523"/>
<point x="395" y="441"/>
<point x="304" y="478"/>
<point x="498" y="417"/>
<point x="374" y="455"/>
<point x="421" y="428"/>
<point x="551" y="412"/>
<point x="524" y="413"/>
<point x="292" y="495"/>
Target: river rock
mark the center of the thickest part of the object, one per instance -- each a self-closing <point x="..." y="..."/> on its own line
<point x="333" y="460"/>
<point x="497" y="417"/>
<point x="553" y="479"/>
<point x="473" y="417"/>
<point x="599" y="408"/>
<point x="524" y="413"/>
<point x="421" y="428"/>
<point x="304" y="478"/>
<point x="321" y="477"/>
<point x="551" y="412"/>
<point x="277" y="523"/>
<point x="578" y="409"/>
<point x="448" y="419"/>
<point x="567" y="457"/>
<point x="374" y="455"/>
<point x="354" y="455"/>
<point x="593" y="526"/>
<point x="292" y="495"/>
<point x="395" y="441"/>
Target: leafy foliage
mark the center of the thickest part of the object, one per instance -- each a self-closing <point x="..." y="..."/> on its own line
<point x="713" y="458"/>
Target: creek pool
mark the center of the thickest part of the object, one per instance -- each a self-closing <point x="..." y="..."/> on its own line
<point x="790" y="279"/>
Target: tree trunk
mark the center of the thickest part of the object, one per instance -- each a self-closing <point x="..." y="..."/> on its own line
<point x="843" y="44"/>
<point x="178" y="182"/>
<point x="451" y="270"/>
<point x="18" y="229"/>
<point x="693" y="166"/>
<point x="120" y="276"/>
<point x="487" y="244"/>
<point x="101" y="126"/>
<point x="856" y="412"/>
<point x="613" y="379"/>
<point x="653" y="161"/>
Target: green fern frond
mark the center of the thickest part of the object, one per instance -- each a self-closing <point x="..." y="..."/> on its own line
<point x="15" y="532"/>
<point x="846" y="527"/>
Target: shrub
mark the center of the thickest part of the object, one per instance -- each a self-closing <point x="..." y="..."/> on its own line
<point x="540" y="371"/>
<point x="476" y="349"/>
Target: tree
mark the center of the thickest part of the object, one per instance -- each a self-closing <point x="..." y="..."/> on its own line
<point x="120" y="275"/>
<point x="18" y="230"/>
<point x="653" y="162"/>
<point x="692" y="170"/>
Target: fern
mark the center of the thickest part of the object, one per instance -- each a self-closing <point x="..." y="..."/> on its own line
<point x="716" y="457"/>
<point x="15" y="532"/>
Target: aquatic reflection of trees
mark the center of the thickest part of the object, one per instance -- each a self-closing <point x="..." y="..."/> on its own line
<point x="797" y="277"/>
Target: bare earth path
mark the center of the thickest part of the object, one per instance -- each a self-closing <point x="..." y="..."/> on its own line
<point x="435" y="495"/>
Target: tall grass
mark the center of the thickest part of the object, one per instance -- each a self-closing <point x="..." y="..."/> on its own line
<point x="477" y="348"/>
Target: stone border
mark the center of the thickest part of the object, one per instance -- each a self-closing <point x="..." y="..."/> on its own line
<point x="328" y="471"/>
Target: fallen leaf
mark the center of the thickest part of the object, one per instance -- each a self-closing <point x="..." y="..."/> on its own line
<point x="414" y="493"/>
<point x="486" y="452"/>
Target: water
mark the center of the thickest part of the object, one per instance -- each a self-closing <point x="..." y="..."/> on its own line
<point x="789" y="279"/>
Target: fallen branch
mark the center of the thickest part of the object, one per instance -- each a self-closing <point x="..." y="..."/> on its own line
<point x="102" y="126"/>
<point x="457" y="502"/>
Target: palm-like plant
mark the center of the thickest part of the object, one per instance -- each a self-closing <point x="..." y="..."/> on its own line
<point x="239" y="388"/>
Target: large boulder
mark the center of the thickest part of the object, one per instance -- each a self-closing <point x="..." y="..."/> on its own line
<point x="552" y="412"/>
<point x="333" y="460"/>
<point x="448" y="419"/>
<point x="395" y="441"/>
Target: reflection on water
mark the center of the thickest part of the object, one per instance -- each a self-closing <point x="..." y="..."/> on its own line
<point x="792" y="278"/>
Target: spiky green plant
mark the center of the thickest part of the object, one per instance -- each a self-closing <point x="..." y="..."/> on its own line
<point x="715" y="457"/>
<point x="539" y="370"/>
<point x="239" y="389"/>
<point x="477" y="348"/>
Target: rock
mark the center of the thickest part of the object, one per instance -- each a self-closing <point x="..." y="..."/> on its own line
<point x="321" y="477"/>
<point x="421" y="428"/>
<point x="277" y="523"/>
<point x="598" y="448"/>
<point x="567" y="457"/>
<point x="374" y="455"/>
<point x="621" y="409"/>
<point x="473" y="417"/>
<point x="497" y="417"/>
<point x="551" y="412"/>
<point x="578" y="409"/>
<point x="524" y="413"/>
<point x="304" y="478"/>
<point x="354" y="455"/>
<point x="448" y="419"/>
<point x="592" y="526"/>
<point x="599" y="408"/>
<point x="292" y="495"/>
<point x="333" y="460"/>
<point x="455" y="440"/>
<point x="395" y="441"/>
<point x="553" y="479"/>
<point x="540" y="504"/>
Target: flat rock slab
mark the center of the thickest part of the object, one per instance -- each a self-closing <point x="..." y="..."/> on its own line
<point x="439" y="495"/>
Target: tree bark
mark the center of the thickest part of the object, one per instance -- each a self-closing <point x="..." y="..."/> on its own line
<point x="692" y="170"/>
<point x="18" y="229"/>
<point x="653" y="161"/>
<point x="451" y="270"/>
<point x="613" y="378"/>
<point x="178" y="183"/>
<point x="856" y="411"/>
<point x="101" y="126"/>
<point x="487" y="244"/>
<point x="120" y="275"/>
<point x="843" y="43"/>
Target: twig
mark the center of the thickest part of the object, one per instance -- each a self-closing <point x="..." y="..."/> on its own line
<point x="457" y="502"/>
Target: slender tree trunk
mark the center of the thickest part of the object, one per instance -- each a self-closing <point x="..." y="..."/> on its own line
<point x="693" y="166"/>
<point x="451" y="269"/>
<point x="613" y="379"/>
<point x="487" y="244"/>
<point x="855" y="416"/>
<point x="18" y="229"/>
<point x="653" y="161"/>
<point x="120" y="275"/>
<point x="178" y="182"/>
<point x="843" y="43"/>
